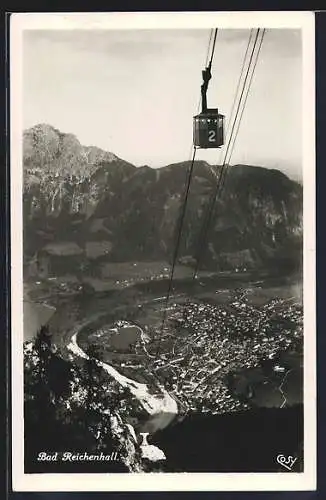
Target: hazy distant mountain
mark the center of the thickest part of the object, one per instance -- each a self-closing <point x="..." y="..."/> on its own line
<point x="87" y="204"/>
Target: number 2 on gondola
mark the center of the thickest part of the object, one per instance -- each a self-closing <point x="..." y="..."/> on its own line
<point x="212" y="135"/>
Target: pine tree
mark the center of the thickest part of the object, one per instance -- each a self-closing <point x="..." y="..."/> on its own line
<point x="42" y="390"/>
<point x="39" y="404"/>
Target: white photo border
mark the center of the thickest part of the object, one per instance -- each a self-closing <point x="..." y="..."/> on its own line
<point x="304" y="481"/>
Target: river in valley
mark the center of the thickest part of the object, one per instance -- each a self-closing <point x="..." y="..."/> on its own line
<point x="94" y="312"/>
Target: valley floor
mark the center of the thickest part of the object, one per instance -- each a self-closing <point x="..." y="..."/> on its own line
<point x="229" y="343"/>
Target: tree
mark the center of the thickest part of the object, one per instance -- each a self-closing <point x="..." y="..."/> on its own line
<point x="42" y="391"/>
<point x="40" y="401"/>
<point x="68" y="406"/>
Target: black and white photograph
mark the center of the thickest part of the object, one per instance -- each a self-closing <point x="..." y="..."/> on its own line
<point x="163" y="307"/>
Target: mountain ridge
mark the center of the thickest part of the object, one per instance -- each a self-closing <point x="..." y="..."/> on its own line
<point x="92" y="198"/>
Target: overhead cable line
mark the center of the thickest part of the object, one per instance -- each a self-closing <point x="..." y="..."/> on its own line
<point x="183" y="212"/>
<point x="247" y="94"/>
<point x="209" y="46"/>
<point x="179" y="234"/>
<point x="228" y="160"/>
<point x="213" y="48"/>
<point x="221" y="178"/>
<point x="242" y="72"/>
<point x="215" y="193"/>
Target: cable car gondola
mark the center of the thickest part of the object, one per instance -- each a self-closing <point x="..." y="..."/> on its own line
<point x="209" y="124"/>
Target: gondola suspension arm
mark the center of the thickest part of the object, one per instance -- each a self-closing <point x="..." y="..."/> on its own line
<point x="207" y="75"/>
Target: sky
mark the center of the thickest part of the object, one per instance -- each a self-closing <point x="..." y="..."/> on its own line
<point x="134" y="93"/>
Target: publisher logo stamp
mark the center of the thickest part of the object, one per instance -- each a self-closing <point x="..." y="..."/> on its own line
<point x="287" y="462"/>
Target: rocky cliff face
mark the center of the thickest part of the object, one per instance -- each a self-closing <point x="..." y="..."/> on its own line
<point x="87" y="204"/>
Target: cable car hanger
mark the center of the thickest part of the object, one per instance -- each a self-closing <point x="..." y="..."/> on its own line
<point x="208" y="131"/>
<point x="207" y="75"/>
